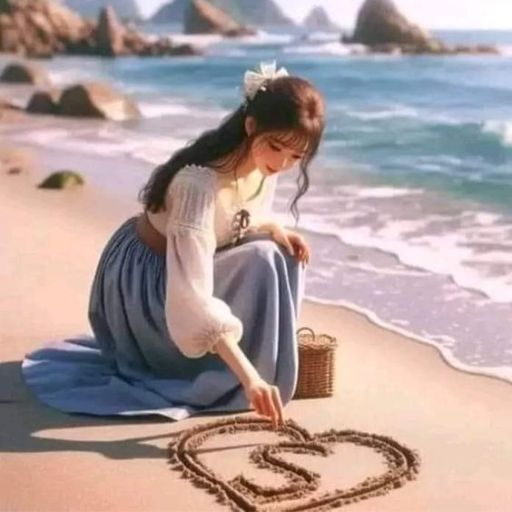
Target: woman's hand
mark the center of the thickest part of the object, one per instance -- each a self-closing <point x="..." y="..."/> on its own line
<point x="295" y="244"/>
<point x="265" y="399"/>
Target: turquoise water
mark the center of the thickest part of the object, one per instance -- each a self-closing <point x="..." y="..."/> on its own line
<point x="410" y="195"/>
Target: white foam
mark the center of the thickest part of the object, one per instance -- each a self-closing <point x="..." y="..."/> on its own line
<point x="386" y="192"/>
<point x="321" y="37"/>
<point x="501" y="128"/>
<point x="441" y="342"/>
<point x="154" y="110"/>
<point x="367" y="267"/>
<point x="387" y="113"/>
<point x="73" y="74"/>
<point x="327" y="48"/>
<point x="461" y="260"/>
<point x="198" y="40"/>
<point x="106" y="141"/>
<point x="263" y="37"/>
<point x="505" y="50"/>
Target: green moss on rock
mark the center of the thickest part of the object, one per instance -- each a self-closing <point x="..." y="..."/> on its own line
<point x="62" y="180"/>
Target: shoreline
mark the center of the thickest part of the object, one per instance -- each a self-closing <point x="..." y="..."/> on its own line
<point x="451" y="362"/>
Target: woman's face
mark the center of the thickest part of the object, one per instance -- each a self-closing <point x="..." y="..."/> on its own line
<point x="271" y="153"/>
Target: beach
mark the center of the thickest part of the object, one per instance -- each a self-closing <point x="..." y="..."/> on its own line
<point x="385" y="383"/>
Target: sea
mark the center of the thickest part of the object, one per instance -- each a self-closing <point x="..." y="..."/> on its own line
<point x="409" y="211"/>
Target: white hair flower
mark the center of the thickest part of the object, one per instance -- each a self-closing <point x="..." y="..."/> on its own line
<point x="256" y="80"/>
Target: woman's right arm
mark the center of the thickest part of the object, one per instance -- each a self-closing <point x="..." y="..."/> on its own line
<point x="264" y="397"/>
<point x="199" y="322"/>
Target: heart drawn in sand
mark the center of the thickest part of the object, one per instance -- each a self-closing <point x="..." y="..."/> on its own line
<point x="243" y="494"/>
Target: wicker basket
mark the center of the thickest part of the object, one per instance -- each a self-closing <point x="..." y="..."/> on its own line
<point x="316" y="364"/>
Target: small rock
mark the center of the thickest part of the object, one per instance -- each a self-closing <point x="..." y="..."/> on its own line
<point x="44" y="102"/>
<point x="62" y="180"/>
<point x="25" y="73"/>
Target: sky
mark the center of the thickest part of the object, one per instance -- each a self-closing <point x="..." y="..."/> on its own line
<point x="456" y="14"/>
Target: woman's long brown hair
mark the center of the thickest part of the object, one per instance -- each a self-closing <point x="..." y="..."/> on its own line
<point x="288" y="107"/>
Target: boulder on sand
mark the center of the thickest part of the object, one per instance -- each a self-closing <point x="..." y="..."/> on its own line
<point x="44" y="102"/>
<point x="25" y="73"/>
<point x="96" y="100"/>
<point x="62" y="180"/>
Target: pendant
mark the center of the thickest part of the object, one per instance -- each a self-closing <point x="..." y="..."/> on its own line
<point x="241" y="222"/>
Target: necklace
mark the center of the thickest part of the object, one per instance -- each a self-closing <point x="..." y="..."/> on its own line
<point x="242" y="217"/>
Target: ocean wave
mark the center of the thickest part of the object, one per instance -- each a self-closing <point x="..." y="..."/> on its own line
<point x="444" y="344"/>
<point x="198" y="40"/>
<point x="162" y="109"/>
<point x="503" y="129"/>
<point x="75" y="73"/>
<point x="471" y="255"/>
<point x="505" y="50"/>
<point x="263" y="38"/>
<point x="329" y="48"/>
<point x="320" y="36"/>
<point x="104" y="141"/>
<point x="377" y="192"/>
<point x="386" y="113"/>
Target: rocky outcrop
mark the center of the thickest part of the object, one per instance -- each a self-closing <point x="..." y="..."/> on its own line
<point x="204" y="18"/>
<point x="384" y="29"/>
<point x="246" y="12"/>
<point x="318" y="19"/>
<point x="96" y="100"/>
<point x="127" y="10"/>
<point x="380" y="22"/>
<point x="110" y="33"/>
<point x="42" y="28"/>
<point x="26" y="73"/>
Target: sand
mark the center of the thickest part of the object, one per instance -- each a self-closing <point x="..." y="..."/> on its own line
<point x="386" y="384"/>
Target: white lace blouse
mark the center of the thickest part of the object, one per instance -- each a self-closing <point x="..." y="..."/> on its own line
<point x="196" y="221"/>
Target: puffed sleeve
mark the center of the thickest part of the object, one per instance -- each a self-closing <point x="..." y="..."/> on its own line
<point x="196" y="320"/>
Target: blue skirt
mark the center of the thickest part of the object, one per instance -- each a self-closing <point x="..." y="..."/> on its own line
<point x="131" y="366"/>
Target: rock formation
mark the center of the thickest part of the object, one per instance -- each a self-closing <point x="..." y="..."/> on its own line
<point x="380" y="22"/>
<point x="126" y="9"/>
<point x="245" y="12"/>
<point x="202" y="17"/>
<point x="384" y="29"/>
<point x="42" y="28"/>
<point x="318" y="19"/>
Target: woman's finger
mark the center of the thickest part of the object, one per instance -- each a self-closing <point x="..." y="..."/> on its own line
<point x="270" y="407"/>
<point x="257" y="403"/>
<point x="276" y="397"/>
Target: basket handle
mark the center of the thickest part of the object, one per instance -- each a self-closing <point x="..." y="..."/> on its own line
<point x="307" y="329"/>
